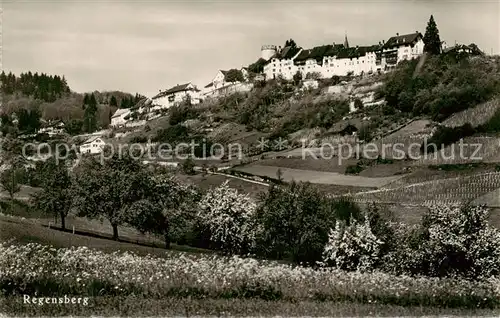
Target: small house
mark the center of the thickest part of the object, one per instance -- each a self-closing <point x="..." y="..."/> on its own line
<point x="93" y="145"/>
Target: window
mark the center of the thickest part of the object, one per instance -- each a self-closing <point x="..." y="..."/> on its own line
<point x="171" y="98"/>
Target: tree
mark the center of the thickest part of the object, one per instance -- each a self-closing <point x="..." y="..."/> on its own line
<point x="279" y="175"/>
<point x="431" y="38"/>
<point x="74" y="126"/>
<point x="257" y="67"/>
<point x="352" y="247"/>
<point x="124" y="103"/>
<point x="188" y="166"/>
<point x="234" y="75"/>
<point x="9" y="180"/>
<point x="313" y="75"/>
<point x="29" y="120"/>
<point x="113" y="101"/>
<point x="297" y="77"/>
<point x="459" y="240"/>
<point x="169" y="211"/>
<point x="358" y="104"/>
<point x="229" y="218"/>
<point x="294" y="221"/>
<point x="56" y="196"/>
<point x="90" y="115"/>
<point x="291" y="43"/>
<point x="108" y="189"/>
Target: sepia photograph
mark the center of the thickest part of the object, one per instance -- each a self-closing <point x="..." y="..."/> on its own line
<point x="249" y="158"/>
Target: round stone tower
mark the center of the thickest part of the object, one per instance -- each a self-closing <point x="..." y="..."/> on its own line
<point x="267" y="51"/>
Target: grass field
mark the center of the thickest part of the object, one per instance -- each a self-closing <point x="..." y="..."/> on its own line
<point x="172" y="306"/>
<point x="125" y="283"/>
<point x="318" y="177"/>
<point x="325" y="165"/>
<point x="30" y="231"/>
<point x="293" y="302"/>
<point x="208" y="181"/>
<point x="24" y="194"/>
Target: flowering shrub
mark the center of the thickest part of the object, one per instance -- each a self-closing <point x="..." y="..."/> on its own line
<point x="352" y="247"/>
<point x="228" y="216"/>
<point x="459" y="241"/>
<point x="46" y="271"/>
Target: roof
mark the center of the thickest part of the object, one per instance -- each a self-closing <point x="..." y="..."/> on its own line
<point x="92" y="139"/>
<point x="209" y="85"/>
<point x="343" y="125"/>
<point x="175" y="89"/>
<point x="473" y="49"/>
<point x="288" y="52"/>
<point x="400" y="40"/>
<point x="338" y="50"/>
<point x="120" y="112"/>
<point x="54" y="123"/>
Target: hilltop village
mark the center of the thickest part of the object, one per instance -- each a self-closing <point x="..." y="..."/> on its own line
<point x="319" y="62"/>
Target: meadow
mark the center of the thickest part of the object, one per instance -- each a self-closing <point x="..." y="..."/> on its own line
<point x="212" y="284"/>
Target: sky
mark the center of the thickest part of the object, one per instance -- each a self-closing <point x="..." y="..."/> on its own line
<point x="144" y="46"/>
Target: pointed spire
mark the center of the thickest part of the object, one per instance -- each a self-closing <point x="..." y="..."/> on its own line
<point x="346" y="43"/>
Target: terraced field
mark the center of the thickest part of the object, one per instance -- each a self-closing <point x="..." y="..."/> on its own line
<point x="451" y="190"/>
<point x="475" y="116"/>
<point x="473" y="149"/>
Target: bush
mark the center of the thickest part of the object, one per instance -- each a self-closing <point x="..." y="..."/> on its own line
<point x="354" y="169"/>
<point x="172" y="134"/>
<point x="181" y="113"/>
<point x="188" y="166"/>
<point x="295" y="221"/>
<point x="229" y="218"/>
<point x="445" y="136"/>
<point x="352" y="247"/>
<point x="139" y="139"/>
<point x="442" y="87"/>
<point x="358" y="104"/>
<point x="450" y="241"/>
<point x="459" y="241"/>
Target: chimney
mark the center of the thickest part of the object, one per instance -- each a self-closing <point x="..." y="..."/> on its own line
<point x="383" y="41"/>
<point x="397" y="34"/>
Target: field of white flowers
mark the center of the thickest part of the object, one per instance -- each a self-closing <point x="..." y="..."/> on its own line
<point x="46" y="271"/>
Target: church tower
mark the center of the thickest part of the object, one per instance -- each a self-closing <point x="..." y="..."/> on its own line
<point x="346" y="43"/>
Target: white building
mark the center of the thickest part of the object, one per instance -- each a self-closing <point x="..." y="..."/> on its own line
<point x="402" y="47"/>
<point x="176" y="95"/>
<point x="120" y="117"/>
<point x="93" y="145"/>
<point x="220" y="86"/>
<point x="52" y="128"/>
<point x="282" y="63"/>
<point x="342" y="60"/>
